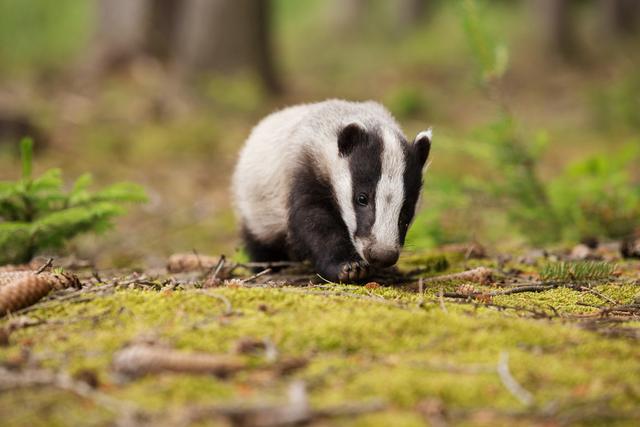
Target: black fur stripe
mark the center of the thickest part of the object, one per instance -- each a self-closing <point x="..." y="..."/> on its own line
<point x="365" y="165"/>
<point x="412" y="187"/>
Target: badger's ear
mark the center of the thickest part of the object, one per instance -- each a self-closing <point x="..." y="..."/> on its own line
<point x="422" y="145"/>
<point x="350" y="136"/>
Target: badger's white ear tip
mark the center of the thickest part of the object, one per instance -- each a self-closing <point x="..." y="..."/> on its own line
<point x="425" y="134"/>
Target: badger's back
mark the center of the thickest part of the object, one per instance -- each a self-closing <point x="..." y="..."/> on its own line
<point x="262" y="176"/>
<point x="281" y="143"/>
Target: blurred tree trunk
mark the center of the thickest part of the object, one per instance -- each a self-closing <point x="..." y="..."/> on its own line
<point x="162" y="21"/>
<point x="348" y="16"/>
<point x="410" y="13"/>
<point x="621" y="16"/>
<point x="557" y="28"/>
<point x="226" y="36"/>
<point x="120" y="35"/>
<point x="194" y="35"/>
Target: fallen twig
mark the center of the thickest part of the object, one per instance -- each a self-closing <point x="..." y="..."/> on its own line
<point x="598" y="294"/>
<point x="212" y="279"/>
<point x="141" y="359"/>
<point x="255" y="276"/>
<point x="441" y="300"/>
<point x="525" y="288"/>
<point x="10" y="380"/>
<point x="420" y="293"/>
<point x="274" y="264"/>
<point x="510" y="383"/>
<point x="228" y="307"/>
<point x="45" y="266"/>
<point x="296" y="411"/>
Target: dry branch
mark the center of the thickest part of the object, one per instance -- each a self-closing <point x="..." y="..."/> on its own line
<point x="510" y="382"/>
<point x="141" y="359"/>
<point x="10" y="380"/>
<point x="296" y="411"/>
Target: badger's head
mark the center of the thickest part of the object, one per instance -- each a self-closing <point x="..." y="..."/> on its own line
<point x="386" y="179"/>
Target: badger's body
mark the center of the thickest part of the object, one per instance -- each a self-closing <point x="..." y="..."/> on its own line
<point x="334" y="182"/>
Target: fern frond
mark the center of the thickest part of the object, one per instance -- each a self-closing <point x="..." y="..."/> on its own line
<point x="576" y="271"/>
<point x="54" y="229"/>
<point x="36" y="213"/>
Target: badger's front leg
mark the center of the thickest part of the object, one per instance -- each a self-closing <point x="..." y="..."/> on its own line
<point x="317" y="233"/>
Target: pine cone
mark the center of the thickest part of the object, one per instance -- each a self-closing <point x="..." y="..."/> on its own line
<point x="181" y="263"/>
<point x="7" y="277"/>
<point x="27" y="288"/>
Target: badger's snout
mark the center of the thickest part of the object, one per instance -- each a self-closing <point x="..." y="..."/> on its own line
<point x="381" y="256"/>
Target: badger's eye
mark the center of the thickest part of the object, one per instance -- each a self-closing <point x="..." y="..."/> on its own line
<point x="362" y="199"/>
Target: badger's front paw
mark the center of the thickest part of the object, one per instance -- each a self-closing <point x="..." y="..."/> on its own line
<point x="353" y="271"/>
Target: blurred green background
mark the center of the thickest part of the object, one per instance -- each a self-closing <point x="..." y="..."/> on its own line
<point x="535" y="107"/>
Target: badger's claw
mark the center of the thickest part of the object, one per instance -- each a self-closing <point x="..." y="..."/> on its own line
<point x="353" y="271"/>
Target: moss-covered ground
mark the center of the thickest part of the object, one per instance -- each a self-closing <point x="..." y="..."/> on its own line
<point x="428" y="358"/>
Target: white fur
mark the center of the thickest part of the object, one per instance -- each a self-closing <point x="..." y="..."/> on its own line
<point x="389" y="192"/>
<point x="263" y="175"/>
<point x="428" y="133"/>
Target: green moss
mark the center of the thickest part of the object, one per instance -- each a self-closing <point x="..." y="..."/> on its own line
<point x="428" y="262"/>
<point x="358" y="348"/>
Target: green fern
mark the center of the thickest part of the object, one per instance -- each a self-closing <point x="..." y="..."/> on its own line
<point x="37" y="214"/>
<point x="576" y="271"/>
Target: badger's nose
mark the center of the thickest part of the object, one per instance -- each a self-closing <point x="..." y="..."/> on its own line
<point x="381" y="256"/>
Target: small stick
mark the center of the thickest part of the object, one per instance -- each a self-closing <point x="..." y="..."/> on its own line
<point x="255" y="276"/>
<point x="228" y="307"/>
<point x="598" y="294"/>
<point x="219" y="267"/>
<point x="520" y="289"/>
<point x="421" y="292"/>
<point x="274" y="264"/>
<point x="510" y="383"/>
<point x="198" y="258"/>
<point x="39" y="377"/>
<point x="45" y="266"/>
<point x="323" y="279"/>
<point x="211" y="281"/>
<point x="441" y="299"/>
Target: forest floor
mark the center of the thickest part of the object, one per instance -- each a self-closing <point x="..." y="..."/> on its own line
<point x="204" y="342"/>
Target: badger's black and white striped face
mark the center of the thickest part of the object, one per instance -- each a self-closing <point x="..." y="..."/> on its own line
<point x="379" y="202"/>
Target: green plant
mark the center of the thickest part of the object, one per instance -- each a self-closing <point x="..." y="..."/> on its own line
<point x="618" y="104"/>
<point x="517" y="187"/>
<point x="513" y="159"/>
<point x="599" y="196"/>
<point x="37" y="214"/>
<point x="580" y="271"/>
<point x="596" y="197"/>
<point x="407" y="101"/>
<point x="492" y="58"/>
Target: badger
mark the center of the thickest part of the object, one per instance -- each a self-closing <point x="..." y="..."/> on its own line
<point x="334" y="182"/>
